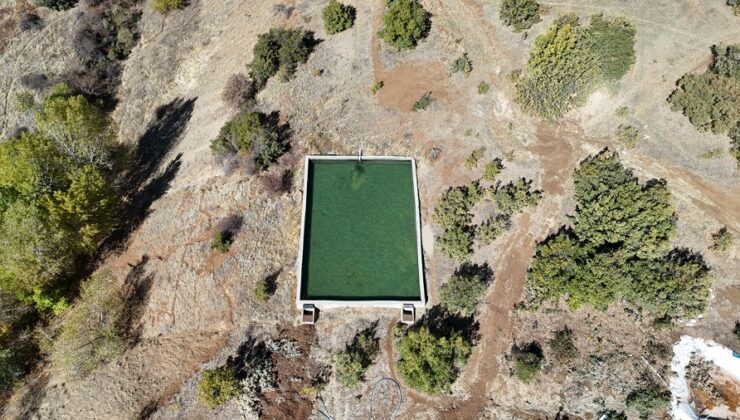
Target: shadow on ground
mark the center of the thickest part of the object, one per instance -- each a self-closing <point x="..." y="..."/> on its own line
<point x="145" y="184"/>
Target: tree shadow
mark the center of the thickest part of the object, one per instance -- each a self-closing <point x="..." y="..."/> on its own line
<point x="481" y="271"/>
<point x="141" y="187"/>
<point x="30" y="396"/>
<point x="249" y="350"/>
<point x="271" y="282"/>
<point x="442" y="323"/>
<point x="136" y="288"/>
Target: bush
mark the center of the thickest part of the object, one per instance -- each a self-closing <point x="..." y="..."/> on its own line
<point x="612" y="40"/>
<point x="56" y="4"/>
<point x="736" y="330"/>
<point x="24" y="101"/>
<point x="619" y="223"/>
<point x="521" y="14"/>
<point x="475" y="156"/>
<point x="11" y="369"/>
<point x="622" y="111"/>
<point x="648" y="399"/>
<point x="423" y="102"/>
<point x="463" y="290"/>
<point x="490" y="229"/>
<point x="377" y="85"/>
<point x="216" y="386"/>
<point x="562" y="346"/>
<point x="108" y="33"/>
<point x="352" y="363"/>
<point x="429" y="363"/>
<point x="338" y="17"/>
<point x="250" y="134"/>
<point x="735" y="4"/>
<point x="462" y="64"/>
<point x="166" y="6"/>
<point x="222" y="241"/>
<point x="527" y="361"/>
<point x="405" y="23"/>
<point x="29" y="21"/>
<point x="492" y="169"/>
<point x="711" y="100"/>
<point x="91" y="334"/>
<point x="735" y="143"/>
<point x="456" y="243"/>
<point x="627" y="135"/>
<point x="483" y="88"/>
<point x="513" y="197"/>
<point x="722" y="240"/>
<point x="238" y="91"/>
<point x="569" y="61"/>
<point x="278" y="52"/>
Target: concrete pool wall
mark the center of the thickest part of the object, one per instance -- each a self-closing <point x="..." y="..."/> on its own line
<point x="386" y="302"/>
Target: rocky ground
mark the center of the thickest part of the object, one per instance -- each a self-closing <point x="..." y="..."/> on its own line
<point x="195" y="307"/>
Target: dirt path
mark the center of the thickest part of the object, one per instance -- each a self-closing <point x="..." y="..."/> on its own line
<point x="404" y="83"/>
<point x="557" y="158"/>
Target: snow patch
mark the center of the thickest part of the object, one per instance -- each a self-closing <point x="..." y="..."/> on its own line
<point x="709" y="350"/>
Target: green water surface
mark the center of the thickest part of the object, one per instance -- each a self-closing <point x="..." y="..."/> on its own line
<point x="360" y="231"/>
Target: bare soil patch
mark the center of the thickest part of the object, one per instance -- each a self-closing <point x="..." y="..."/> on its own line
<point x="286" y="401"/>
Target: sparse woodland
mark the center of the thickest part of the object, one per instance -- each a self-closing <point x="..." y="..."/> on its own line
<point x="573" y="276"/>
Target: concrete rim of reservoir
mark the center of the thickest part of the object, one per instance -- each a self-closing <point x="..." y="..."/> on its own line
<point x="360" y="242"/>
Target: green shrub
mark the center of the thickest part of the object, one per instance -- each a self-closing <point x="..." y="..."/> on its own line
<point x="377" y="85"/>
<point x="462" y="64"/>
<point x="222" y="241"/>
<point x="475" y="157"/>
<point x="619" y="223"/>
<point x="527" y="361"/>
<point x="491" y="228"/>
<point x="56" y="4"/>
<point x="562" y="346"/>
<point x="735" y="4"/>
<point x="649" y="399"/>
<point x="166" y="6"/>
<point x="713" y="153"/>
<point x="278" y="52"/>
<point x="622" y="111"/>
<point x="711" y="100"/>
<point x="735" y="143"/>
<point x="627" y="135"/>
<point x="423" y="102"/>
<point x="405" y="23"/>
<point x="253" y="134"/>
<point x="352" y="363"/>
<point x="569" y="61"/>
<point x="513" y="197"/>
<point x="612" y="40"/>
<point x="492" y="169"/>
<point x="91" y="333"/>
<point x="338" y="17"/>
<point x="483" y="87"/>
<point x="456" y="243"/>
<point x="722" y="240"/>
<point x="216" y="386"/>
<point x="521" y="14"/>
<point x="11" y="369"/>
<point x="463" y="290"/>
<point x="24" y="101"/>
<point x="453" y="208"/>
<point x="429" y="363"/>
